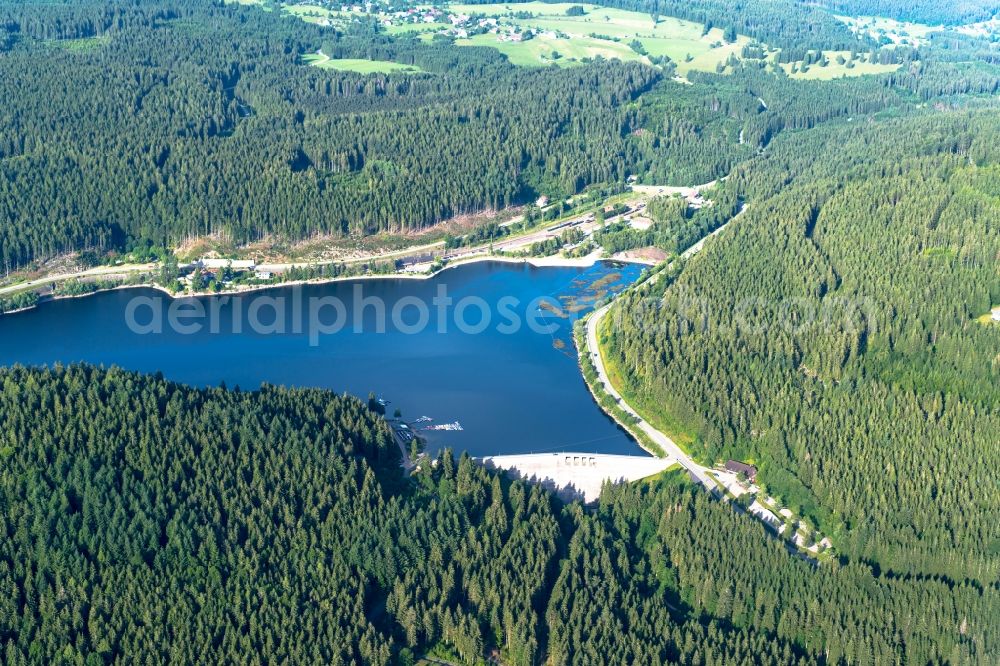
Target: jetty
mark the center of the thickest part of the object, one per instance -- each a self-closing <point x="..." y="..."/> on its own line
<point x="455" y="425"/>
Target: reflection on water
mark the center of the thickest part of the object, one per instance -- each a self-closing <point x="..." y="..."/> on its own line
<point x="513" y="391"/>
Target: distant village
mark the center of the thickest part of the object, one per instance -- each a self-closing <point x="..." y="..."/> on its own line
<point x="458" y="26"/>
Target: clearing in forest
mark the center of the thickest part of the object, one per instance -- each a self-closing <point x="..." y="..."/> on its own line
<point x="359" y="65"/>
<point x="79" y="45"/>
<point x="836" y="64"/>
<point x="310" y="13"/>
<point x="889" y="31"/>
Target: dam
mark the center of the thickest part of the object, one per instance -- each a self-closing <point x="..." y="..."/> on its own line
<point x="577" y="476"/>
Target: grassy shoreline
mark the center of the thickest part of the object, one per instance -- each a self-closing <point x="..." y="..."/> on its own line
<point x="537" y="262"/>
<point x="684" y="437"/>
<point x="603" y="399"/>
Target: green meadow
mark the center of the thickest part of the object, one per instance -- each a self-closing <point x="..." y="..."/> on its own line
<point x="543" y="50"/>
<point x="420" y="28"/>
<point x="898" y="32"/>
<point x="835" y="70"/>
<point x="359" y="65"/>
<point x="310" y="13"/>
<point x="82" y="44"/>
<point x="604" y="32"/>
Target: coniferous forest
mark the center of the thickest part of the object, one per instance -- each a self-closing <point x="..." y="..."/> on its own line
<point x="200" y="118"/>
<point x="145" y="520"/>
<point x="833" y="335"/>
<point x="155" y="121"/>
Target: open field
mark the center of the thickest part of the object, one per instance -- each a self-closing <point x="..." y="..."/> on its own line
<point x="266" y="6"/>
<point x="982" y="29"/>
<point x="310" y="13"/>
<point x="897" y="32"/>
<point x="702" y="54"/>
<point x="361" y="66"/>
<point x="78" y="45"/>
<point x="606" y="32"/>
<point x="307" y="10"/>
<point x="834" y="70"/>
<point x="567" y="40"/>
<point x="502" y="8"/>
<point x="543" y="50"/>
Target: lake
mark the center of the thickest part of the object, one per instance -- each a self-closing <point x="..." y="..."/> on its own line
<point x="487" y="344"/>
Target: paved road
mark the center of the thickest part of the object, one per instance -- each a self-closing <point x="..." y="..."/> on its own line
<point x="93" y="272"/>
<point x="668" y="445"/>
<point x="696" y="248"/>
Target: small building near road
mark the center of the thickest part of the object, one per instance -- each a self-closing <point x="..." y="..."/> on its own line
<point x="738" y="467"/>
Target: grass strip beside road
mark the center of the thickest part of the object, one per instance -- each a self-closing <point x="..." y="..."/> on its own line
<point x="608" y="403"/>
<point x="655" y="414"/>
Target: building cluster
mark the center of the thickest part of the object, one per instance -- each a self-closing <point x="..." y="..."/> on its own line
<point x="740" y="480"/>
<point x="459" y="26"/>
<point x="223" y="271"/>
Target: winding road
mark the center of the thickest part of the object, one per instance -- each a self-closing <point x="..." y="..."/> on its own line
<point x="672" y="450"/>
<point x="669" y="446"/>
<point x="90" y="272"/>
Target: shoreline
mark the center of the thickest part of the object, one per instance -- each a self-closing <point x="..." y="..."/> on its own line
<point x="554" y="261"/>
<point x="582" y="351"/>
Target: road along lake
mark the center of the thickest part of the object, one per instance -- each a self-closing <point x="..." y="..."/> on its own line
<point x="487" y="345"/>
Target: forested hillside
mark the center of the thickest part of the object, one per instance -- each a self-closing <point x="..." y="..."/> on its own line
<point x="143" y="519"/>
<point x="831" y="337"/>
<point x="185" y="118"/>
<point x="932" y="12"/>
<point x="157" y="121"/>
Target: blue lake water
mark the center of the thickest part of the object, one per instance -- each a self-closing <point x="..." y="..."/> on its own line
<point x="514" y="388"/>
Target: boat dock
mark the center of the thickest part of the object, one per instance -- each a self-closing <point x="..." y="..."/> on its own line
<point x="455" y="425"/>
